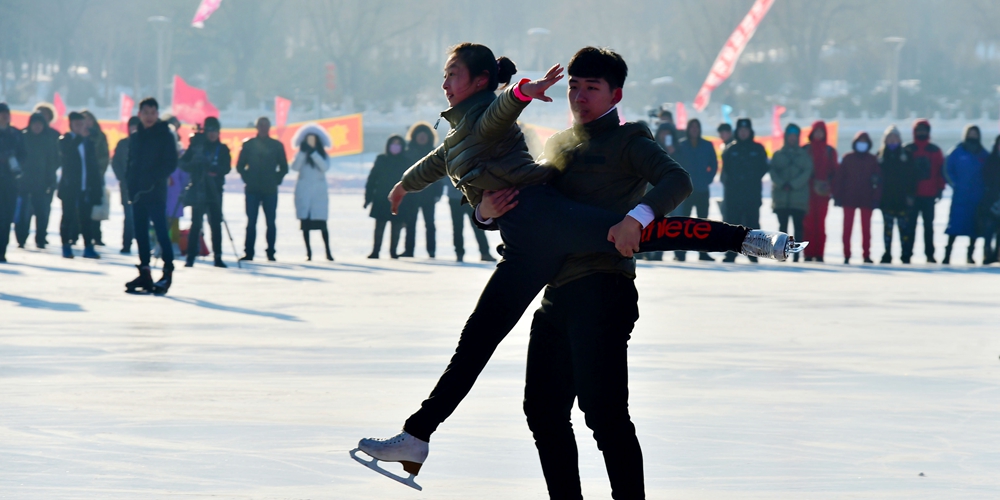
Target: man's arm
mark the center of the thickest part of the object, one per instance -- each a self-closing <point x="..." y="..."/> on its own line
<point x="242" y="160"/>
<point x="282" y="161"/>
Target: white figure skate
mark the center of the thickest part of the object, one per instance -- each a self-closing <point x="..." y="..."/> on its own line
<point x="771" y="245"/>
<point x="403" y="448"/>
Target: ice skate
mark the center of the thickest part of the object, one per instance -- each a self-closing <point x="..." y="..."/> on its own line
<point x="141" y="285"/>
<point x="771" y="245"/>
<point x="163" y="286"/>
<point x="403" y="448"/>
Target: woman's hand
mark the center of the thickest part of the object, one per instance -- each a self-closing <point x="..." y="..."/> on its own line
<point x="396" y="196"/>
<point x="497" y="203"/>
<point x="537" y="88"/>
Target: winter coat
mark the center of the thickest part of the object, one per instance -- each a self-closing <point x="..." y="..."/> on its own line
<point x="312" y="197"/>
<point x="386" y="172"/>
<point x="743" y="166"/>
<point x="152" y="157"/>
<point x="262" y="165"/>
<point x="791" y="169"/>
<point x="700" y="161"/>
<point x="40" y="164"/>
<point x="101" y="149"/>
<point x="485" y="149"/>
<point x="857" y="182"/>
<point x="11" y="146"/>
<point x="119" y="164"/>
<point x="824" y="160"/>
<point x="899" y="180"/>
<point x="988" y="217"/>
<point x="71" y="184"/>
<point x="415" y="152"/>
<point x="928" y="161"/>
<point x="207" y="163"/>
<point x="965" y="174"/>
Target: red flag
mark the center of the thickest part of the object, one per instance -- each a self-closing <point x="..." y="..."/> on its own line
<point x="190" y="104"/>
<point x="125" y="108"/>
<point x="776" y="113"/>
<point x="682" y="116"/>
<point x="725" y="62"/>
<point x="205" y="10"/>
<point x="59" y="105"/>
<point x="281" y="108"/>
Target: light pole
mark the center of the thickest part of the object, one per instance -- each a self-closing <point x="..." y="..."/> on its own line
<point x="161" y="25"/>
<point x="897" y="47"/>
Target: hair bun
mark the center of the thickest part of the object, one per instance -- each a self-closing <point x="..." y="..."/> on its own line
<point x="505" y="70"/>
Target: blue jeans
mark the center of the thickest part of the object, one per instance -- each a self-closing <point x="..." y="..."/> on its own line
<point x="144" y="211"/>
<point x="270" y="205"/>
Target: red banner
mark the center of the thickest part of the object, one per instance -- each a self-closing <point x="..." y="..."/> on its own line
<point x="205" y="10"/>
<point x="57" y="103"/>
<point x="776" y="112"/>
<point x="681" y="120"/>
<point x="191" y="104"/>
<point x="725" y="62"/>
<point x="281" y="108"/>
<point x="125" y="109"/>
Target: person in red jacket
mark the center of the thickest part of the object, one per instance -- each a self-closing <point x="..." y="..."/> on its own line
<point x="928" y="160"/>
<point x="824" y="159"/>
<point x="857" y="185"/>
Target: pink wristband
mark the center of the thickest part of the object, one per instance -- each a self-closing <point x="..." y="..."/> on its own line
<point x="517" y="90"/>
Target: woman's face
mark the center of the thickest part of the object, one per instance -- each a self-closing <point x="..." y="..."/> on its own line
<point x="395" y="148"/>
<point x="458" y="85"/>
<point x="311" y="141"/>
<point x="892" y="140"/>
<point x="421" y="139"/>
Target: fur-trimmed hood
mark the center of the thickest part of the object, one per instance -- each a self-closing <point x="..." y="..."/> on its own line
<point x="311" y="128"/>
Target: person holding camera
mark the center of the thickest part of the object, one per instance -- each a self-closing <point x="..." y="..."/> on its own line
<point x="208" y="161"/>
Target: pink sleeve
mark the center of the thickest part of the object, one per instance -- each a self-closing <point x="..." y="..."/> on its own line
<point x="517" y="90"/>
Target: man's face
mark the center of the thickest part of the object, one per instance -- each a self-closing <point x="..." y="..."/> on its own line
<point x="263" y="127"/>
<point x="37" y="127"/>
<point x="726" y="136"/>
<point x="4" y="120"/>
<point x="591" y="98"/>
<point x="743" y="133"/>
<point x="792" y="139"/>
<point x="212" y="135"/>
<point x="149" y="115"/>
<point x="694" y="131"/>
<point x="78" y="127"/>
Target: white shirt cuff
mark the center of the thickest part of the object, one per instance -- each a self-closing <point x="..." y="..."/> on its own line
<point x="480" y="218"/>
<point x="642" y="213"/>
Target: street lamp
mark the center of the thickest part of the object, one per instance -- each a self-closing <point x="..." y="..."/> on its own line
<point x="897" y="46"/>
<point x="161" y="25"/>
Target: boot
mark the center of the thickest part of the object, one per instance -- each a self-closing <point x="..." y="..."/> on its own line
<point x="143" y="284"/>
<point x="309" y="250"/>
<point x="487" y="258"/>
<point x="67" y="251"/>
<point x="326" y="242"/>
<point x="868" y="260"/>
<point x="90" y="253"/>
<point x="459" y="257"/>
<point x="680" y="256"/>
<point x="704" y="257"/>
<point x="163" y="286"/>
<point x="769" y="244"/>
<point x="886" y="258"/>
<point x="219" y="263"/>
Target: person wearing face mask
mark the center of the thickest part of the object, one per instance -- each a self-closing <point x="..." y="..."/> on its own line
<point x="312" y="197"/>
<point x="857" y="186"/>
<point x="824" y="158"/>
<point x="420" y="141"/>
<point x="899" y="188"/>
<point x="386" y="172"/>
<point x="928" y="161"/>
<point x="964" y="173"/>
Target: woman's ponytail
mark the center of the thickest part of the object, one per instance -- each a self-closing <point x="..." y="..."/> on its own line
<point x="505" y="70"/>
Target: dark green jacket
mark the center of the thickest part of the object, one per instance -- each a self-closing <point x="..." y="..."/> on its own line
<point x="262" y="165"/>
<point x="484" y="151"/>
<point x="608" y="165"/>
<point x="791" y="168"/>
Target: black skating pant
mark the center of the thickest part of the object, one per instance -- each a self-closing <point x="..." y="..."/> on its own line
<point x="152" y="209"/>
<point x="35" y="204"/>
<point x="538" y="235"/>
<point x="901" y="219"/>
<point x="578" y="351"/>
<point x="76" y="221"/>
<point x="923" y="207"/>
<point x="410" y="244"/>
<point x="395" y="226"/>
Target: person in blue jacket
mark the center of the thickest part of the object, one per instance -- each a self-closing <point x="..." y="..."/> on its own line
<point x="964" y="173"/>
<point x="697" y="156"/>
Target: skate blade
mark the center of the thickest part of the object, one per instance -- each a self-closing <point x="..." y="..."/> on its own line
<point x="798" y="246"/>
<point x="373" y="465"/>
<point x="138" y="292"/>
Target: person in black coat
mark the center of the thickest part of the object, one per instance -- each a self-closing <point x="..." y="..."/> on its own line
<point x="386" y="172"/>
<point x="208" y="161"/>
<point x="262" y="164"/>
<point x="119" y="164"/>
<point x="420" y="142"/>
<point x="152" y="157"/>
<point x="38" y="181"/>
<point x="989" y="208"/>
<point x="899" y="189"/>
<point x="81" y="187"/>
<point x="744" y="164"/>
<point x="12" y="156"/>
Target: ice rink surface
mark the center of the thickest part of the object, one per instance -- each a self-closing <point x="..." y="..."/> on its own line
<point x="769" y="381"/>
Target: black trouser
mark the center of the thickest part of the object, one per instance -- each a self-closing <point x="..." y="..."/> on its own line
<point x="578" y="350"/>
<point x="254" y="203"/>
<point x="748" y="216"/>
<point x="76" y="221"/>
<point x="900" y="218"/>
<point x="458" y="214"/>
<point x="144" y="211"/>
<point x="396" y="225"/>
<point x="8" y="205"/>
<point x="923" y="207"/>
<point x="427" y="208"/>
<point x="538" y="235"/>
<point x="698" y="201"/>
<point x="198" y="213"/>
<point x="128" y="231"/>
<point x="797" y="217"/>
<point x="36" y="203"/>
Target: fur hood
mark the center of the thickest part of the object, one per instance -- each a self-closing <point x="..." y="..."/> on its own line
<point x="311" y="128"/>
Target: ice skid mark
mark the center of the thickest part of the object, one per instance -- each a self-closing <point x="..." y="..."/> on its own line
<point x="233" y="309"/>
<point x="41" y="304"/>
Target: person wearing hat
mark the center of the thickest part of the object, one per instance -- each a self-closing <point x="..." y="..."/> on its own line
<point x="928" y="161"/>
<point x="38" y="181"/>
<point x="208" y="161"/>
<point x="791" y="168"/>
<point x="12" y="156"/>
<point x="744" y="164"/>
<point x="81" y="187"/>
<point x="119" y="163"/>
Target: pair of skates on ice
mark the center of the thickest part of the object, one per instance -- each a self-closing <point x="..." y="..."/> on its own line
<point x="412" y="452"/>
<point x="144" y="284"/>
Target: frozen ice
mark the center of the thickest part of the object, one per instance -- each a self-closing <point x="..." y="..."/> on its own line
<point x="778" y="380"/>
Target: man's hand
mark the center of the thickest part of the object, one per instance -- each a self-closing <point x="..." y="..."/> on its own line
<point x="396" y="197"/>
<point x="626" y="235"/>
<point x="537" y="88"/>
<point x="497" y="203"/>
